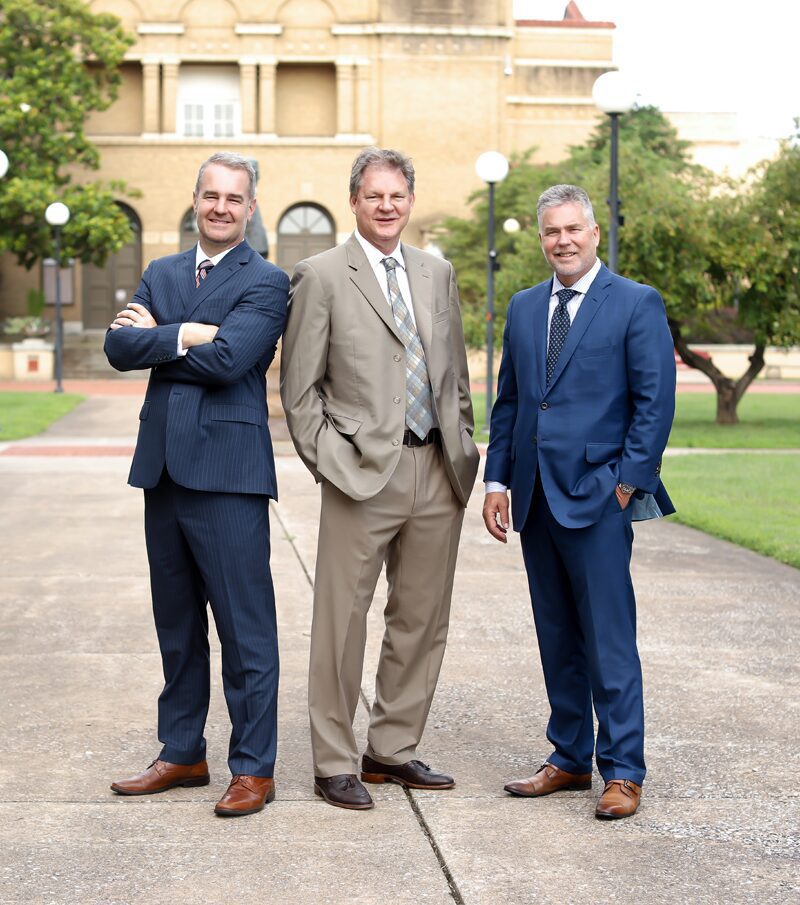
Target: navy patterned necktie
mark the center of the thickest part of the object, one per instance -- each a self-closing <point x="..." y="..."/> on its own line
<point x="203" y="270"/>
<point x="559" y="327"/>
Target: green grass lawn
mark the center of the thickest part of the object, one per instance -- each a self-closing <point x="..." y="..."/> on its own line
<point x="26" y="414"/>
<point x="767" y="421"/>
<point x="751" y="499"/>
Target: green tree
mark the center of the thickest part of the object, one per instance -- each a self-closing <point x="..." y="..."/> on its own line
<point x="700" y="246"/>
<point x="58" y="62"/>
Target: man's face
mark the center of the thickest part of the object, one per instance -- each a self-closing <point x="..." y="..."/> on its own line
<point x="569" y="241"/>
<point x="382" y="206"/>
<point x="223" y="207"/>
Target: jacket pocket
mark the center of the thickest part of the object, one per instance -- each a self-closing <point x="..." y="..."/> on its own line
<point x="441" y="315"/>
<point x="603" y="452"/>
<point x="144" y="412"/>
<point x="344" y="424"/>
<point x="243" y="413"/>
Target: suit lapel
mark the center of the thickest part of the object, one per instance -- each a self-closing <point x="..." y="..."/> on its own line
<point x="186" y="277"/>
<point x="226" y="268"/>
<point x="540" y="315"/>
<point x="593" y="300"/>
<point x="362" y="274"/>
<point x="421" y="285"/>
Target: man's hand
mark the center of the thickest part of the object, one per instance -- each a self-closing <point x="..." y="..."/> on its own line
<point x="622" y="498"/>
<point x="133" y="315"/>
<point x="495" y="515"/>
<point x="197" y="334"/>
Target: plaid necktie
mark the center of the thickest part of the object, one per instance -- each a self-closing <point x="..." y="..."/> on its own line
<point x="559" y="327"/>
<point x="419" y="417"/>
<point x="203" y="270"/>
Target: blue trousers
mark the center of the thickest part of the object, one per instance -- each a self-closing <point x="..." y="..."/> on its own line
<point x="214" y="547"/>
<point x="585" y="615"/>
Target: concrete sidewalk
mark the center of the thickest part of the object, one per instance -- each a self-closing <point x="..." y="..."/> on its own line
<point x="80" y="674"/>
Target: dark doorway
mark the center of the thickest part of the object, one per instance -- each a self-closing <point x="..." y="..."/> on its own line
<point x="107" y="289"/>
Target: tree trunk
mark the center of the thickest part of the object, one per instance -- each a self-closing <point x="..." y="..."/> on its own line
<point x="729" y="391"/>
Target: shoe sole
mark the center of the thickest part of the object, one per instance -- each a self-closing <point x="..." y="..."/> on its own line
<point x="186" y="783"/>
<point x="378" y="778"/>
<point x="603" y="816"/>
<point x="342" y="804"/>
<point x="232" y="812"/>
<point x="574" y="787"/>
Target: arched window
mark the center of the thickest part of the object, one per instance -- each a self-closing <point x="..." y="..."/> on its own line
<point x="303" y="230"/>
<point x="188" y="230"/>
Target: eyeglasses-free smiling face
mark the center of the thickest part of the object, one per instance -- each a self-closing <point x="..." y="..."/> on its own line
<point x="569" y="241"/>
<point x="223" y="207"/>
<point x="382" y="206"/>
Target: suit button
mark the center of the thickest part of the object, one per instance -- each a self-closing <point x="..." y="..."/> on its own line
<point x="397" y="400"/>
<point x="535" y="439"/>
<point x="544" y="405"/>
<point x="395" y="442"/>
<point x="397" y="358"/>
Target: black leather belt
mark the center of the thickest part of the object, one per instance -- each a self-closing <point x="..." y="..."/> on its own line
<point x="411" y="439"/>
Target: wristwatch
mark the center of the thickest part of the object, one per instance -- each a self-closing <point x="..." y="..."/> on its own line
<point x="626" y="488"/>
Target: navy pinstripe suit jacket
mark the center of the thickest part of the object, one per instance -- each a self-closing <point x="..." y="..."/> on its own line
<point x="205" y="414"/>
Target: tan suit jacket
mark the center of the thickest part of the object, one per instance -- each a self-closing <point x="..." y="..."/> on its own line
<point x="343" y="371"/>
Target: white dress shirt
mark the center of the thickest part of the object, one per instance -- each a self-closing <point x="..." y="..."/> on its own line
<point x="375" y="256"/>
<point x="199" y="257"/>
<point x="580" y="286"/>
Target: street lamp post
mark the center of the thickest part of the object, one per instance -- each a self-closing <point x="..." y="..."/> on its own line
<point x="492" y="168"/>
<point x="613" y="95"/>
<point x="57" y="215"/>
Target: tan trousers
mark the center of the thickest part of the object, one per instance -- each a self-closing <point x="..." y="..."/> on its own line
<point x="413" y="525"/>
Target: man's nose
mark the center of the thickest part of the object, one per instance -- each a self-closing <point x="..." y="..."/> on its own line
<point x="385" y="203"/>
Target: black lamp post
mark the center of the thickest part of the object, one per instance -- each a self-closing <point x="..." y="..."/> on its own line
<point x="613" y="96"/>
<point x="492" y="168"/>
<point x="57" y="215"/>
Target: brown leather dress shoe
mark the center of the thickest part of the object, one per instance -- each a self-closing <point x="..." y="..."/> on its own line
<point x="413" y="774"/>
<point x="246" y="795"/>
<point x="547" y="779"/>
<point x="620" y="798"/>
<point x="343" y="791"/>
<point x="160" y="776"/>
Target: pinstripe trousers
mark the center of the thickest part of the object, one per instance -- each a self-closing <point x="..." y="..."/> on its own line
<point x="207" y="547"/>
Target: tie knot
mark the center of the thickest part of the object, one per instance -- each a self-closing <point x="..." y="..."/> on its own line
<point x="389" y="263"/>
<point x="205" y="265"/>
<point x="564" y="295"/>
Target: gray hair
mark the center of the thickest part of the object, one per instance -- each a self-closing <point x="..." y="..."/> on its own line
<point x="381" y="157"/>
<point x="232" y="162"/>
<point x="557" y="195"/>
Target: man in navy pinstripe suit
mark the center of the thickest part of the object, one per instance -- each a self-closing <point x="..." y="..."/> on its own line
<point x="206" y="322"/>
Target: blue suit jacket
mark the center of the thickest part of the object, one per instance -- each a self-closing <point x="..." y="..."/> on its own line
<point x="205" y="414"/>
<point x="607" y="413"/>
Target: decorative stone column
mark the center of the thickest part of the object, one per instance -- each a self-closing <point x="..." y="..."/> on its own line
<point x="151" y="101"/>
<point x="247" y="93"/>
<point x="363" y="97"/>
<point x="169" y="95"/>
<point x="345" y="106"/>
<point x="266" y="95"/>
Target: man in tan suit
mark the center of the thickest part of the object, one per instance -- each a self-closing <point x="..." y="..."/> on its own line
<point x="375" y="388"/>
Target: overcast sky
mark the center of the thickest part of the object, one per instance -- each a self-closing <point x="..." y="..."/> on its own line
<point x="704" y="55"/>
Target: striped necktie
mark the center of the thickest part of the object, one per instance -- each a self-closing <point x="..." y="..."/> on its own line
<point x="419" y="416"/>
<point x="203" y="270"/>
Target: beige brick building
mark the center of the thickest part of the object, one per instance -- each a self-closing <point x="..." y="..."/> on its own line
<point x="301" y="86"/>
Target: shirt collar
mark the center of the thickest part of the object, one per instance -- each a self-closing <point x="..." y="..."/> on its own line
<point x="583" y="284"/>
<point x="375" y="255"/>
<point x="201" y="256"/>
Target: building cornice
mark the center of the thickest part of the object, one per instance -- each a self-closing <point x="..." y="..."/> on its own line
<point x="453" y="31"/>
<point x="534" y="100"/>
<point x="563" y="64"/>
<point x="161" y="28"/>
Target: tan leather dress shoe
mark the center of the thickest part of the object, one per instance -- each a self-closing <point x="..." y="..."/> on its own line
<point x="620" y="798"/>
<point x="160" y="776"/>
<point x="547" y="779"/>
<point x="246" y="795"/>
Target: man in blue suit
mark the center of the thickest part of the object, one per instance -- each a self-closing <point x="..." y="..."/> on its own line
<point x="206" y="322"/>
<point x="585" y="400"/>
